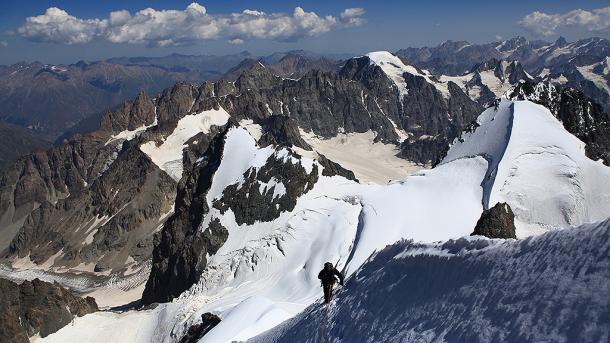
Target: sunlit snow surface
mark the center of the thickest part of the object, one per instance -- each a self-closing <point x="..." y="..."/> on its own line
<point x="269" y="270"/>
<point x="537" y="167"/>
<point x="394" y="68"/>
<point x="168" y="155"/>
<point x="130" y="134"/>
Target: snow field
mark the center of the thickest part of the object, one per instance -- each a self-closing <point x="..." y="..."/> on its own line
<point x="168" y="155"/>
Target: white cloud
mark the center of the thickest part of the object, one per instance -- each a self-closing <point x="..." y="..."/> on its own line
<point x="352" y="16"/>
<point x="597" y="20"/>
<point x="183" y="27"/>
<point x="58" y="26"/>
<point x="3" y="44"/>
<point x="236" y="41"/>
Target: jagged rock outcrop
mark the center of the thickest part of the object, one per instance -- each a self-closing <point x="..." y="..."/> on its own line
<point x="496" y="222"/>
<point x="291" y="65"/>
<point x="37" y="307"/>
<point x="92" y="200"/>
<point x="282" y="130"/>
<point x="332" y="168"/>
<point x="197" y="331"/>
<point x="130" y="115"/>
<point x="267" y="191"/>
<point x="425" y="149"/>
<point x="180" y="249"/>
<point x="423" y="112"/>
<point x="127" y="201"/>
<point x="580" y="115"/>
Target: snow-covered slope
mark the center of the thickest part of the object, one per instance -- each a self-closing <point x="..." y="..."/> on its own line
<point x="537" y="167"/>
<point x="549" y="288"/>
<point x="490" y="80"/>
<point x="598" y="73"/>
<point x="168" y="155"/>
<point x="395" y="68"/>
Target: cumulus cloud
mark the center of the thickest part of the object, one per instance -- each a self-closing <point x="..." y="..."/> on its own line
<point x="597" y="20"/>
<point x="236" y="41"/>
<point x="183" y="27"/>
<point x="352" y="16"/>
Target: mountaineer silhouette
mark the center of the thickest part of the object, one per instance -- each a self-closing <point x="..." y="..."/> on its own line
<point x="328" y="276"/>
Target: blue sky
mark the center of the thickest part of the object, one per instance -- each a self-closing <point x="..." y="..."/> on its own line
<point x="382" y="25"/>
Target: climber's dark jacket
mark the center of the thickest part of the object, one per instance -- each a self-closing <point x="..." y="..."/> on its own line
<point x="329" y="275"/>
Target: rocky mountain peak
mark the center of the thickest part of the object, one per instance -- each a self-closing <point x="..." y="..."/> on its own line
<point x="257" y="76"/>
<point x="130" y="115"/>
<point x="561" y="42"/>
<point x="510" y="44"/>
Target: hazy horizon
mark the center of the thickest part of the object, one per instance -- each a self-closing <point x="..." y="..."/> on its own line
<point x="67" y="31"/>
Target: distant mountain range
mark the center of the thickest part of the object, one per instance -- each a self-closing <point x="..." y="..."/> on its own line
<point x="16" y="142"/>
<point x="58" y="101"/>
<point x="583" y="64"/>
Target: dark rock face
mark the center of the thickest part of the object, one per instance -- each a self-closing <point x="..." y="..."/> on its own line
<point x="133" y="194"/>
<point x="282" y="130"/>
<point x="96" y="200"/>
<point x="197" y="331"/>
<point x="332" y="168"/>
<point x="425" y="149"/>
<point x="292" y="65"/>
<point x="327" y="103"/>
<point x="37" y="307"/>
<point x="423" y="112"/>
<point x="180" y="250"/>
<point x="580" y="116"/>
<point x="130" y="115"/>
<point x="496" y="222"/>
<point x="250" y="204"/>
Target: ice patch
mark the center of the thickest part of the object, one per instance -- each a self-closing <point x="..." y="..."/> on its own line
<point x="128" y="135"/>
<point x="599" y="80"/>
<point x="168" y="155"/>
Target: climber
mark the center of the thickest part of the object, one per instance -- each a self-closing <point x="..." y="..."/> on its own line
<point x="328" y="276"/>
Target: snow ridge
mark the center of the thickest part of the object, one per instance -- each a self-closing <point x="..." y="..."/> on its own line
<point x="547" y="288"/>
<point x="537" y="167"/>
